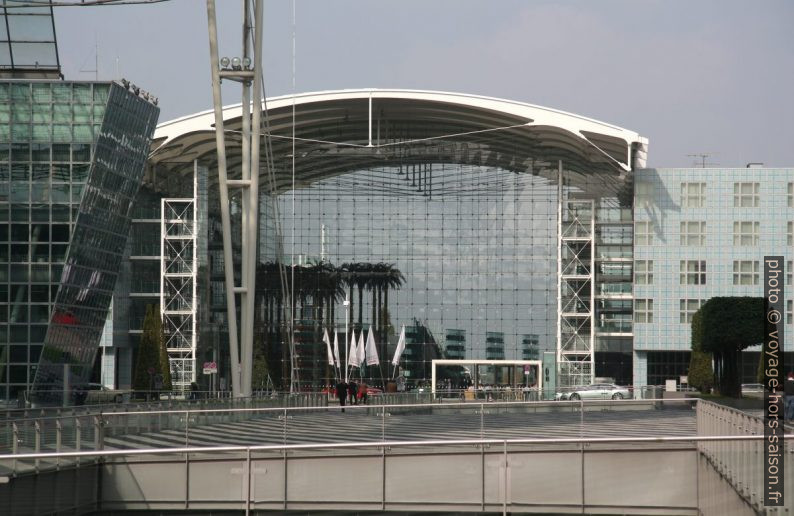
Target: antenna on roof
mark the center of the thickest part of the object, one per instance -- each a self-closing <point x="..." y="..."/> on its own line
<point x="701" y="159"/>
<point x="96" y="60"/>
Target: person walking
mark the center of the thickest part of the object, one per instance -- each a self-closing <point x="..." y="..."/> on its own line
<point x="352" y="390"/>
<point x="362" y="393"/>
<point x="341" y="393"/>
<point x="788" y="391"/>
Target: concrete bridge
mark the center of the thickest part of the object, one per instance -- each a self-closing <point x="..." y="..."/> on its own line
<point x="632" y="457"/>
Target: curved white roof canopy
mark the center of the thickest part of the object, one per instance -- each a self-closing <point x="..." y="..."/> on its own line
<point x="343" y="131"/>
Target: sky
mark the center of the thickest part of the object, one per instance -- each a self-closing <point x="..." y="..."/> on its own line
<point x="711" y="77"/>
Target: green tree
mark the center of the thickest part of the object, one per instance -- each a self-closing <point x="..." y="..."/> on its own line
<point x="728" y="325"/>
<point x="701" y="373"/>
<point x="158" y="334"/>
<point x="759" y="374"/>
<point x="148" y="361"/>
<point x="260" y="368"/>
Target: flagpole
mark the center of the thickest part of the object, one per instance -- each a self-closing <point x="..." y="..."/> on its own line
<point x="346" y="302"/>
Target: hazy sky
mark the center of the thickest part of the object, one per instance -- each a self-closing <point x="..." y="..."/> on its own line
<point x="713" y="77"/>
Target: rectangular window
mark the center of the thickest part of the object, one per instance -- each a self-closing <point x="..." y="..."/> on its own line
<point x="642" y="233"/>
<point x="643" y="310"/>
<point x="789" y="272"/>
<point x="791" y="195"/>
<point x="746" y="233"/>
<point x="789" y="311"/>
<point x="745" y="272"/>
<point x="692" y="272"/>
<point x="745" y="195"/>
<point x="790" y="233"/>
<point x="643" y="193"/>
<point x="693" y="232"/>
<point x="693" y="195"/>
<point x="643" y="272"/>
<point x="688" y="307"/>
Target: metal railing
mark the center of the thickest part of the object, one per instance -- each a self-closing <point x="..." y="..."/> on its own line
<point x="176" y="400"/>
<point x="739" y="462"/>
<point x="291" y="419"/>
<point x="728" y="439"/>
<point x="493" y="468"/>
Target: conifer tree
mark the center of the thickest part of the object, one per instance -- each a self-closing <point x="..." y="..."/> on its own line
<point x="148" y="360"/>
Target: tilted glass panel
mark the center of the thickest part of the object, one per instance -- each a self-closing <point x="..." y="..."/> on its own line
<point x="94" y="233"/>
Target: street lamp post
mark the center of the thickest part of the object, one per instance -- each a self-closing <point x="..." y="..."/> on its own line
<point x="346" y="302"/>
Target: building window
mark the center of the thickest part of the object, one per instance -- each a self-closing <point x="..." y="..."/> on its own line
<point x="791" y="195"/>
<point x="643" y="272"/>
<point x="693" y="272"/>
<point x="789" y="311"/>
<point x="693" y="232"/>
<point x="789" y="272"/>
<point x="790" y="233"/>
<point x="217" y="293"/>
<point x="745" y="272"/>
<point x="642" y="233"/>
<point x="688" y="308"/>
<point x="746" y="233"/>
<point x="666" y="365"/>
<point x="643" y="193"/>
<point x="745" y="195"/>
<point x="643" y="310"/>
<point x="693" y="195"/>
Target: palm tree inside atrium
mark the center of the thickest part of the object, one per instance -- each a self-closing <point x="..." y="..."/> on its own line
<point x="318" y="287"/>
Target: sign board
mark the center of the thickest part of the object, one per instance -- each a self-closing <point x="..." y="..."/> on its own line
<point x="400" y="383"/>
<point x="210" y="367"/>
<point x="683" y="380"/>
<point x="670" y="386"/>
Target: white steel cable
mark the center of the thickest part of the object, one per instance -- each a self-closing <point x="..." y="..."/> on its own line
<point x="293" y="361"/>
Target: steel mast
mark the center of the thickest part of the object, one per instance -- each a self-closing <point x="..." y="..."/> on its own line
<point x="247" y="70"/>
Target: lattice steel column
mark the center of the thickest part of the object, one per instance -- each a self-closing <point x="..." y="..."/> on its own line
<point x="575" y="289"/>
<point x="178" y="283"/>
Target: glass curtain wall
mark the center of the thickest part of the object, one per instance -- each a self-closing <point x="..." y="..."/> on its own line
<point x="442" y="249"/>
<point x="71" y="156"/>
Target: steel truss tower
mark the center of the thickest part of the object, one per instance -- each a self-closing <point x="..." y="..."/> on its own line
<point x="575" y="288"/>
<point x="245" y="69"/>
<point x="178" y="283"/>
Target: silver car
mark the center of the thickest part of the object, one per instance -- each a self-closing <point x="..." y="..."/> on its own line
<point x="598" y="391"/>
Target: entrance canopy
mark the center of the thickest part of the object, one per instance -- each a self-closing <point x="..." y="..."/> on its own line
<point x="337" y="132"/>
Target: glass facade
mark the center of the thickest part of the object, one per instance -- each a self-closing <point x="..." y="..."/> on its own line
<point x="72" y="160"/>
<point x="27" y="40"/>
<point x="469" y="255"/>
<point x="705" y="232"/>
<point x="455" y="345"/>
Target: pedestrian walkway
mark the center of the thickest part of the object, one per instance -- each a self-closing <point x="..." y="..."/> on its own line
<point x="358" y="426"/>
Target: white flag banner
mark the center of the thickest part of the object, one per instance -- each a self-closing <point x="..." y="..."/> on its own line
<point x="352" y="357"/>
<point x="400" y="348"/>
<point x="361" y="353"/>
<point x="336" y="348"/>
<point x="328" y="347"/>
<point x="371" y="349"/>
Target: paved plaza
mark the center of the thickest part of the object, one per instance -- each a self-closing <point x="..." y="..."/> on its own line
<point x="354" y="425"/>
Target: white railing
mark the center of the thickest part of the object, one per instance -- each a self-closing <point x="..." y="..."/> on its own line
<point x="740" y="462"/>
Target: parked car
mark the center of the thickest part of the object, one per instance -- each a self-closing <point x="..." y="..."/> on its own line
<point x="598" y="391"/>
<point x="96" y="394"/>
<point x="752" y="388"/>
